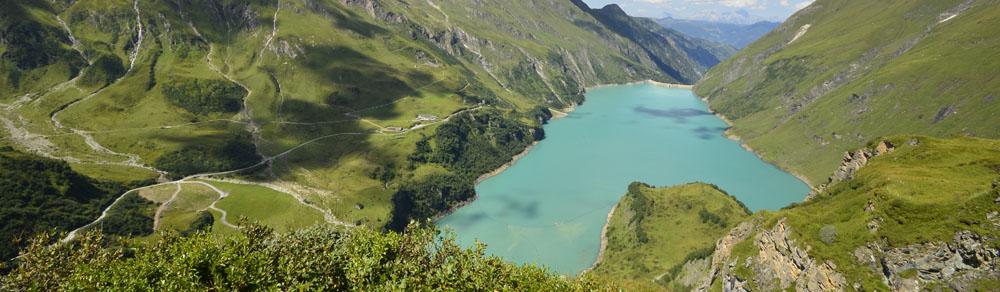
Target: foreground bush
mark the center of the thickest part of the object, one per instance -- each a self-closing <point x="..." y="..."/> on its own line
<point x="317" y="258"/>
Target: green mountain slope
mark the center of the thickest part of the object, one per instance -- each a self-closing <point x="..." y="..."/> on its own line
<point x="840" y="73"/>
<point x="664" y="45"/>
<point x="320" y="97"/>
<point x="653" y="232"/>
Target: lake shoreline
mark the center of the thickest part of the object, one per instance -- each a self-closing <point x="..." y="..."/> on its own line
<point x="603" y="232"/>
<point x="604" y="241"/>
<point x="647" y="81"/>
<point x="557" y="114"/>
<point x="562" y="113"/>
<point x="729" y="135"/>
<point x="732" y="136"/>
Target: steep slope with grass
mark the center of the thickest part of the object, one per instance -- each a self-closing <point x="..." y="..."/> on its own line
<point x="922" y="213"/>
<point x="653" y="232"/>
<point x="329" y="99"/>
<point x="840" y="73"/>
<point x="664" y="45"/>
<point x="40" y="195"/>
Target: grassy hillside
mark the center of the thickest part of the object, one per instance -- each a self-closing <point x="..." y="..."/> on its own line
<point x="321" y="96"/>
<point x="923" y="215"/>
<point x="664" y="45"/>
<point x="839" y="73"/>
<point x="654" y="231"/>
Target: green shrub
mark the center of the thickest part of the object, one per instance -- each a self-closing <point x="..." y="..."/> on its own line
<point x="469" y="145"/>
<point x="475" y="143"/>
<point x="131" y="216"/>
<point x="425" y="199"/>
<point x="235" y="153"/>
<point x="105" y="70"/>
<point x="708" y="217"/>
<point x="204" y="96"/>
<point x="316" y="258"/>
<point x="203" y="222"/>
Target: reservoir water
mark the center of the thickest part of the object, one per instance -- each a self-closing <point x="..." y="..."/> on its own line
<point x="549" y="207"/>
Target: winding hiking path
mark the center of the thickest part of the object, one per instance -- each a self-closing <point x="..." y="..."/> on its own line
<point x="244" y="117"/>
<point x="163" y="207"/>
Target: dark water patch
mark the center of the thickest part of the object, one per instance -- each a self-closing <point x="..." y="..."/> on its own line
<point x="708" y="133"/>
<point x="679" y="115"/>
<point x="471" y="220"/>
<point x="527" y="210"/>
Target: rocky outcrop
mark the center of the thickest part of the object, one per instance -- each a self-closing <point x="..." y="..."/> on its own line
<point x="720" y="264"/>
<point x="851" y="163"/>
<point x="780" y="263"/>
<point x="783" y="262"/>
<point x="375" y="10"/>
<point x="956" y="264"/>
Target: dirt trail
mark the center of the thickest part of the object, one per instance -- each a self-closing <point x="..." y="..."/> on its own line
<point x="104" y="213"/>
<point x="223" y="215"/>
<point x="327" y="215"/>
<point x="246" y="117"/>
<point x="189" y="179"/>
<point x="163" y="207"/>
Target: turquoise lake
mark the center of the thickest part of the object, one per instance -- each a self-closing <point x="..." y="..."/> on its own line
<point x="549" y="207"/>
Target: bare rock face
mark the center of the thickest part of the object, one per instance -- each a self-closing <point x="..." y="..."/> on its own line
<point x="779" y="265"/>
<point x="375" y="10"/>
<point x="956" y="264"/>
<point x="723" y="249"/>
<point x="852" y="162"/>
<point x="781" y="259"/>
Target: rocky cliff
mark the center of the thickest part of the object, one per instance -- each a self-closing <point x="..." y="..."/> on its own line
<point x="881" y="225"/>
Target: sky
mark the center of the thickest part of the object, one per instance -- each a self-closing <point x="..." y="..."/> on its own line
<point x="773" y="10"/>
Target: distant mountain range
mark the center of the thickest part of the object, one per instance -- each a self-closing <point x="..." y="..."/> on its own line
<point x="736" y="35"/>
<point x="663" y="45"/>
<point x="740" y="17"/>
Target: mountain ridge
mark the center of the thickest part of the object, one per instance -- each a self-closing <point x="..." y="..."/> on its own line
<point x="814" y="89"/>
